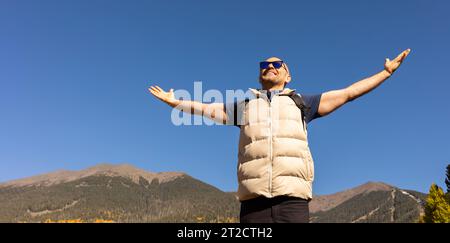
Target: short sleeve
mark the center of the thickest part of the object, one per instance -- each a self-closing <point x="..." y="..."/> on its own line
<point x="313" y="102"/>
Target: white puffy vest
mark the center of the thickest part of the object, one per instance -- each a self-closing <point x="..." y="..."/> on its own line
<point x="274" y="158"/>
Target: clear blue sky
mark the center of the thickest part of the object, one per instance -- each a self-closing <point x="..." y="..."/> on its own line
<point x="74" y="78"/>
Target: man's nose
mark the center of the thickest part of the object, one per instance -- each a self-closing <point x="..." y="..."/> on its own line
<point x="270" y="66"/>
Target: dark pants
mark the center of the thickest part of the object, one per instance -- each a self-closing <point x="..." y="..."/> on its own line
<point x="282" y="209"/>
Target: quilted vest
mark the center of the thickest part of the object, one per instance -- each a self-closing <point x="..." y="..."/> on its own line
<point x="274" y="158"/>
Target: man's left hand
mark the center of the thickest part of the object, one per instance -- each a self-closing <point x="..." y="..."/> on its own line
<point x="391" y="66"/>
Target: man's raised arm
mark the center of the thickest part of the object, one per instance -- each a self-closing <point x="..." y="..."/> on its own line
<point x="332" y="100"/>
<point x="213" y="111"/>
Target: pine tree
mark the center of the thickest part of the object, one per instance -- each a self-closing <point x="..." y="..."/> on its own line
<point x="447" y="180"/>
<point x="437" y="209"/>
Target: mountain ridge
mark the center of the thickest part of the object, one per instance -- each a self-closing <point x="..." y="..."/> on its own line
<point x="328" y="201"/>
<point x="124" y="193"/>
<point x="61" y="176"/>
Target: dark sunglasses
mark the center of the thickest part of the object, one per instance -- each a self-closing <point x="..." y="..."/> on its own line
<point x="275" y="64"/>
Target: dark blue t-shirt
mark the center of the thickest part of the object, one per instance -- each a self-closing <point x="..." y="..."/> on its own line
<point x="311" y="101"/>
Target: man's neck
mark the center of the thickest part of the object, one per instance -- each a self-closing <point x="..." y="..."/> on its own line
<point x="269" y="86"/>
<point x="272" y="88"/>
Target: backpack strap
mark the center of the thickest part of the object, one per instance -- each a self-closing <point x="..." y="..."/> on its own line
<point x="235" y="112"/>
<point x="300" y="103"/>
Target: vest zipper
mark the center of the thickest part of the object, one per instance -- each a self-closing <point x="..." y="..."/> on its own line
<point x="270" y="148"/>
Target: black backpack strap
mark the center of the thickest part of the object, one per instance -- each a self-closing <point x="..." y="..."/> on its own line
<point x="235" y="112"/>
<point x="300" y="103"/>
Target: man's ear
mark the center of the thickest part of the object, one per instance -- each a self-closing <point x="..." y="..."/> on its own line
<point x="288" y="78"/>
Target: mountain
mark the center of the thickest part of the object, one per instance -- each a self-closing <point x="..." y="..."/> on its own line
<point x="373" y="202"/>
<point x="115" y="193"/>
<point x="124" y="193"/>
<point x="326" y="202"/>
<point x="123" y="170"/>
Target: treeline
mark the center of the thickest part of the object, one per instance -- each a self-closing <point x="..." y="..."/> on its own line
<point x="119" y="199"/>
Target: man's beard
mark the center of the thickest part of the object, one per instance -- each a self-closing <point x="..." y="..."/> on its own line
<point x="270" y="81"/>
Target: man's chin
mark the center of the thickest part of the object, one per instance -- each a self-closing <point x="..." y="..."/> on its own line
<point x="270" y="81"/>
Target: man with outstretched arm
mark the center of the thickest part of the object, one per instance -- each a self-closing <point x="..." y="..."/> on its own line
<point x="275" y="165"/>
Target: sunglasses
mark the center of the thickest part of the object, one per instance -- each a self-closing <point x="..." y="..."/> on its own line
<point x="275" y="64"/>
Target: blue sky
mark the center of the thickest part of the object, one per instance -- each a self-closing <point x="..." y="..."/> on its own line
<point x="74" y="78"/>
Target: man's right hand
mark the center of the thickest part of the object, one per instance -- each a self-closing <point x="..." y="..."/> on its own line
<point x="167" y="97"/>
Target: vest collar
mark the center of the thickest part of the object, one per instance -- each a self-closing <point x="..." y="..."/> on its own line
<point x="258" y="92"/>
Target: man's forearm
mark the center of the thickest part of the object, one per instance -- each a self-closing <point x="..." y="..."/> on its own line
<point x="366" y="85"/>
<point x="214" y="111"/>
<point x="188" y="106"/>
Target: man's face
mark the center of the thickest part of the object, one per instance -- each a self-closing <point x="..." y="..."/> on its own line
<point x="271" y="75"/>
